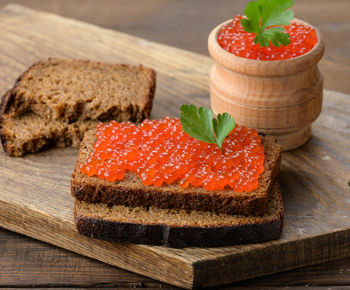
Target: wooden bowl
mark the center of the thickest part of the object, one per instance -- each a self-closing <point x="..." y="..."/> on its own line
<point x="280" y="98"/>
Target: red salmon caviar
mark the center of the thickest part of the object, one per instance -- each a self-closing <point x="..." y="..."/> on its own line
<point x="160" y="152"/>
<point x="234" y="39"/>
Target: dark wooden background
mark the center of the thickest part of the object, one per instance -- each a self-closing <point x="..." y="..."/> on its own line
<point x="25" y="262"/>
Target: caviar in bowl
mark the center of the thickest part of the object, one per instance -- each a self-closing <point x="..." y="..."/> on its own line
<point x="280" y="96"/>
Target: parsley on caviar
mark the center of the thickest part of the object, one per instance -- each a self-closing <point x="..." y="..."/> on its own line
<point x="265" y="18"/>
<point x="200" y="124"/>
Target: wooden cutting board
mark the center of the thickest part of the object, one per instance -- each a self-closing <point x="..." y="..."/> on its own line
<point x="35" y="191"/>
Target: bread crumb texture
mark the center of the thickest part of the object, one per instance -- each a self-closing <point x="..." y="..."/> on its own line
<point x="177" y="217"/>
<point x="55" y="101"/>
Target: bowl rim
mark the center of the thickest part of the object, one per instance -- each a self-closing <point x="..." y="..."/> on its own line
<point x="247" y="65"/>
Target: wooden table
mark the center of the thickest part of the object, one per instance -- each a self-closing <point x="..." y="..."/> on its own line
<point x="25" y="262"/>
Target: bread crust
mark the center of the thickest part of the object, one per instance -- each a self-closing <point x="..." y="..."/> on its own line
<point x="146" y="112"/>
<point x="6" y="102"/>
<point x="183" y="236"/>
<point x="9" y="96"/>
<point x="131" y="192"/>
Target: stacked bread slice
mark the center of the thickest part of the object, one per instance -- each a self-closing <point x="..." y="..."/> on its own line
<point x="56" y="100"/>
<point x="128" y="211"/>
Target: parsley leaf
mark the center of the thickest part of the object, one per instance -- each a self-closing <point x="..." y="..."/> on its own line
<point x="262" y="14"/>
<point x="223" y="125"/>
<point x="200" y="124"/>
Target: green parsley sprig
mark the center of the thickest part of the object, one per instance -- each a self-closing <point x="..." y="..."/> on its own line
<point x="266" y="18"/>
<point x="200" y="124"/>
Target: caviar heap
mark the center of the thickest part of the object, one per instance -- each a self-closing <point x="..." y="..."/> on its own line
<point x="160" y="152"/>
<point x="234" y="39"/>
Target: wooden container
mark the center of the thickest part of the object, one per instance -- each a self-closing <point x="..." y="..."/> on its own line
<point x="280" y="98"/>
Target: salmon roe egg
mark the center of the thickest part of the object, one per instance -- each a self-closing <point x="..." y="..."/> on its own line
<point x="160" y="152"/>
<point x="234" y="39"/>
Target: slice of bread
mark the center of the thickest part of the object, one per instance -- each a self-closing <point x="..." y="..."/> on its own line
<point x="30" y="133"/>
<point x="131" y="192"/>
<point x="178" y="228"/>
<point x="62" y="92"/>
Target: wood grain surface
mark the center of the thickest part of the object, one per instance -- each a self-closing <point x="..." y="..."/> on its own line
<point x="22" y="62"/>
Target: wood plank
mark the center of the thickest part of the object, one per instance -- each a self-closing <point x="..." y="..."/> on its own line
<point x="47" y="266"/>
<point x="34" y="191"/>
<point x="25" y="263"/>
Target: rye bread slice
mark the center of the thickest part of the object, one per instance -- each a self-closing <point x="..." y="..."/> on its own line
<point x="62" y="92"/>
<point x="131" y="192"/>
<point x="30" y="133"/>
<point x="178" y="228"/>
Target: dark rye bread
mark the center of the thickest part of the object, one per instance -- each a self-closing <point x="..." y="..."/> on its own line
<point x="64" y="92"/>
<point x="30" y="133"/>
<point x="131" y="192"/>
<point x="178" y="228"/>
